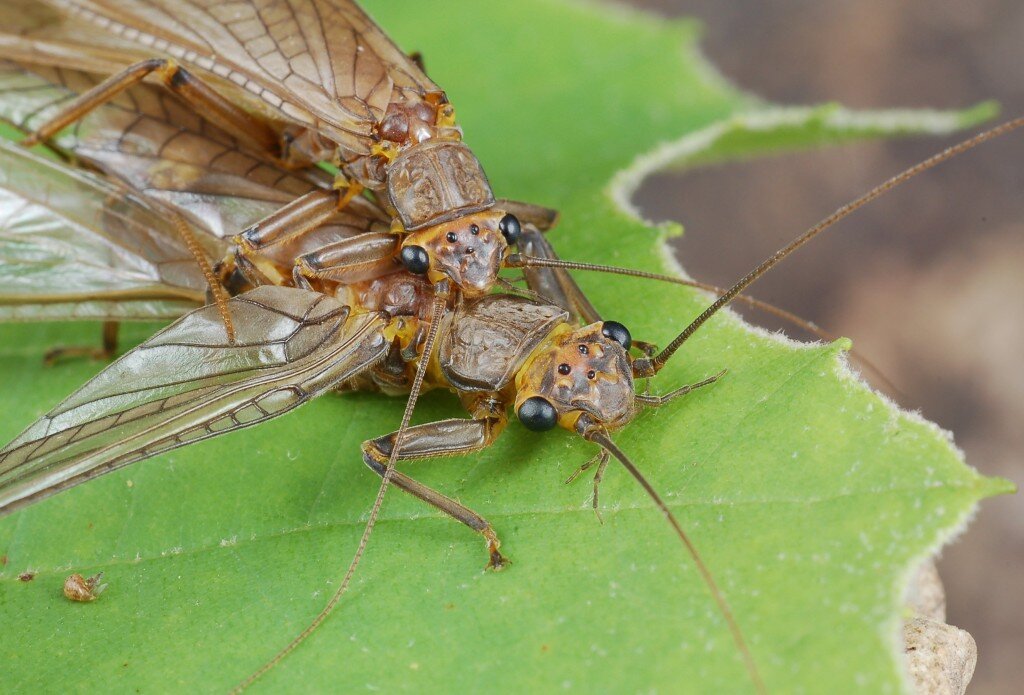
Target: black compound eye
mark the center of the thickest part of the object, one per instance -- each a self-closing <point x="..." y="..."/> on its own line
<point x="537" y="414"/>
<point x="613" y="330"/>
<point x="474" y="230"/>
<point x="510" y="228"/>
<point x="416" y="259"/>
<point x="452" y="237"/>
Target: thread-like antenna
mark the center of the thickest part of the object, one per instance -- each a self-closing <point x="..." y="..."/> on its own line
<point x="651" y="366"/>
<point x="523" y="261"/>
<point x="437" y="313"/>
<point x="220" y="295"/>
<point x="608" y="445"/>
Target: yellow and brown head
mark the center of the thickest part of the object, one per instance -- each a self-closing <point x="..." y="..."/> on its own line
<point x="469" y="250"/>
<point x="587" y="371"/>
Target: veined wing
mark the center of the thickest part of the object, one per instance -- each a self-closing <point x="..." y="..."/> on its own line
<point x="187" y="383"/>
<point x="33" y="32"/>
<point x="161" y="147"/>
<point x="75" y="246"/>
<point x="323" y="64"/>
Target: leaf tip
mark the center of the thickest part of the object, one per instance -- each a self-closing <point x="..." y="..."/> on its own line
<point x="840" y="345"/>
<point x="979" y="113"/>
<point x="990" y="486"/>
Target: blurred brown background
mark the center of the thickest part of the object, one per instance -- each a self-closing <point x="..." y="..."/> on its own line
<point x="929" y="281"/>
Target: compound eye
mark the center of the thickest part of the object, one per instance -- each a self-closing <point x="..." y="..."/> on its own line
<point x="415" y="259"/>
<point x="613" y="330"/>
<point x="510" y="228"/>
<point x="537" y="414"/>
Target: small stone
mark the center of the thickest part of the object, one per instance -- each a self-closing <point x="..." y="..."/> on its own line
<point x="940" y="658"/>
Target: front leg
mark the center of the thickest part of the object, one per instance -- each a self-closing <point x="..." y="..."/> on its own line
<point x="443" y="438"/>
<point x="544" y="219"/>
<point x="365" y="257"/>
<point x="555" y="285"/>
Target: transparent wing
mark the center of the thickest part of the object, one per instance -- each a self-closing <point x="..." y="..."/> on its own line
<point x="323" y="64"/>
<point x="34" y="32"/>
<point x="187" y="383"/>
<point x="161" y="147"/>
<point x="75" y="246"/>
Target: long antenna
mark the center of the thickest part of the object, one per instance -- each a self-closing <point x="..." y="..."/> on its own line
<point x="440" y="300"/>
<point x="748" y="660"/>
<point x="523" y="261"/>
<point x="220" y="295"/>
<point x="650" y="366"/>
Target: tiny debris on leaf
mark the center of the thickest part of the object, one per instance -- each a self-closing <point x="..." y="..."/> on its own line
<point x="26" y="576"/>
<point x="78" y="588"/>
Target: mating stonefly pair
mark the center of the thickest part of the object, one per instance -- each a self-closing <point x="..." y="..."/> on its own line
<point x="293" y="336"/>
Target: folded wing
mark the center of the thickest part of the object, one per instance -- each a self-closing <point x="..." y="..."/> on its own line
<point x="159" y="146"/>
<point x="322" y="64"/>
<point x="186" y="384"/>
<point x="73" y="246"/>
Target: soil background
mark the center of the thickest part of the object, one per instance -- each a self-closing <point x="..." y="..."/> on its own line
<point x="928" y="281"/>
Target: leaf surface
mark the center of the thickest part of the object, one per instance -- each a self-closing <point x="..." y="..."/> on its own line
<point x="809" y="496"/>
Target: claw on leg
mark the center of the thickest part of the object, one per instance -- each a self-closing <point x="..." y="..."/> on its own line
<point x="495" y="560"/>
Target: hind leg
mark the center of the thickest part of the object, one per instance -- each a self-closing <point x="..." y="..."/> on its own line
<point x="105" y="352"/>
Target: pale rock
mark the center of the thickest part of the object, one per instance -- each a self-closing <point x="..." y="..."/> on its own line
<point x="940" y="658"/>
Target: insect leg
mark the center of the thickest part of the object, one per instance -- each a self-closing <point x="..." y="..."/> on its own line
<point x="106" y="351"/>
<point x="656" y="401"/>
<point x="303" y="215"/>
<point x="363" y="257"/>
<point x="553" y="284"/>
<point x="198" y="94"/>
<point x="443" y="438"/>
<point x="540" y="217"/>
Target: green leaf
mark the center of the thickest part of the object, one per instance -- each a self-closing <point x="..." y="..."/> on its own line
<point x="810" y="496"/>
